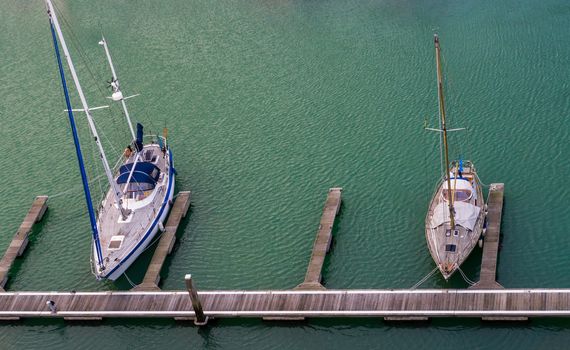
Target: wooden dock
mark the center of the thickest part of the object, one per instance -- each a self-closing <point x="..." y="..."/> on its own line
<point x="20" y="240"/>
<point x="486" y="300"/>
<point x="488" y="275"/>
<point x="166" y="243"/>
<point x="323" y="240"/>
<point x="469" y="303"/>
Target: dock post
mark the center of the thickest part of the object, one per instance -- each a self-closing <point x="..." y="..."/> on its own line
<point x="201" y="319"/>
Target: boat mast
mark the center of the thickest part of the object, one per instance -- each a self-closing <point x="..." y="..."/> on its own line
<point x="444" y="129"/>
<point x="86" y="190"/>
<point x="117" y="94"/>
<point x="116" y="191"/>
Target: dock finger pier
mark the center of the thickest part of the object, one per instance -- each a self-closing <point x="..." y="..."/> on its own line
<point x="487" y="299"/>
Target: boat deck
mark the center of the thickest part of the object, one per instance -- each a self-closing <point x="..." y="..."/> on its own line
<point x="450" y="247"/>
<point x="118" y="238"/>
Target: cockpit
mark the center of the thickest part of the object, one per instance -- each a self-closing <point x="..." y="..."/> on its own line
<point x="141" y="182"/>
<point x="461" y="190"/>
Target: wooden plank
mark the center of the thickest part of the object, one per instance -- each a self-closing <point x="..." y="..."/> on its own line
<point x="166" y="243"/>
<point x="20" y="240"/>
<point x="81" y="319"/>
<point x="392" y="305"/>
<point x="504" y="319"/>
<point x="322" y="242"/>
<point x="406" y="319"/>
<point x="488" y="274"/>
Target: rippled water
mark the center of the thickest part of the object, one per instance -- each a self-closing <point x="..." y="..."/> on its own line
<point x="270" y="103"/>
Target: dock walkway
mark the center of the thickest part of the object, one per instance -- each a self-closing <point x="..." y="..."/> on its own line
<point x="323" y="240"/>
<point x="20" y="240"/>
<point x="486" y="300"/>
<point x="166" y="243"/>
<point x="488" y="275"/>
<point x="297" y="303"/>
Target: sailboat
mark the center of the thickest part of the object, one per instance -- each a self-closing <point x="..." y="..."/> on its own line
<point x="456" y="215"/>
<point x="140" y="191"/>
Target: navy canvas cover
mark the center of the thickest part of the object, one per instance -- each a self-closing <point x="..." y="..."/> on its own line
<point x="144" y="173"/>
<point x="139" y="140"/>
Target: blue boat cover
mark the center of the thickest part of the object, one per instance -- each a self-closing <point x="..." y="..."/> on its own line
<point x="145" y="172"/>
<point x="139" y="140"/>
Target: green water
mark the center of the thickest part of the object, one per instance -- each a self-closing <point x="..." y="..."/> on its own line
<point x="270" y="103"/>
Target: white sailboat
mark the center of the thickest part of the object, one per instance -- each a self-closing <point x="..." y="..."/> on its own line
<point x="455" y="218"/>
<point x="140" y="192"/>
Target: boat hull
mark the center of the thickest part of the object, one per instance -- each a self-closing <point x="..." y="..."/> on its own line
<point x="140" y="229"/>
<point x="149" y="235"/>
<point x="450" y="247"/>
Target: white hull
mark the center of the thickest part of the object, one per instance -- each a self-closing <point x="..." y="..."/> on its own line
<point x="149" y="237"/>
<point x="123" y="241"/>
<point x="450" y="247"/>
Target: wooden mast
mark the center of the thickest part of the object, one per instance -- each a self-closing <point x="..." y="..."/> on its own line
<point x="444" y="129"/>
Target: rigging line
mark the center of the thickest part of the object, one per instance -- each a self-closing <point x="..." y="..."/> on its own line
<point x="481" y="182"/>
<point x="108" y="141"/>
<point x="157" y="237"/>
<point x="118" y="163"/>
<point x="441" y="165"/>
<point x="425" y="278"/>
<point x="448" y="81"/>
<point x="103" y="94"/>
<point x="129" y="280"/>
<point x="81" y="52"/>
<point x="74" y="188"/>
<point x="94" y="167"/>
<point x="465" y="278"/>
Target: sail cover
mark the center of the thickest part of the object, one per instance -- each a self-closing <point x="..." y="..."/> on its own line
<point x="466" y="214"/>
<point x="139" y="140"/>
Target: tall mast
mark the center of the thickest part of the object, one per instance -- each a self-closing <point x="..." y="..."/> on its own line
<point x="117" y="94"/>
<point x="116" y="191"/>
<point x="86" y="190"/>
<point x="444" y="129"/>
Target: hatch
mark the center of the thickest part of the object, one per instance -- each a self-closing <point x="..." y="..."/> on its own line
<point x="116" y="242"/>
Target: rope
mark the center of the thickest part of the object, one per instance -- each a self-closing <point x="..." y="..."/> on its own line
<point x="465" y="278"/>
<point x="425" y="278"/>
<point x="88" y="63"/>
<point x="129" y="280"/>
<point x="76" y="188"/>
<point x="153" y="242"/>
<point x="481" y="182"/>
